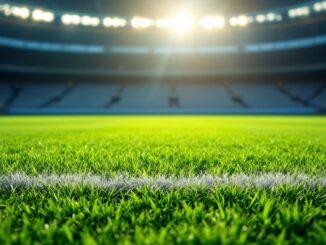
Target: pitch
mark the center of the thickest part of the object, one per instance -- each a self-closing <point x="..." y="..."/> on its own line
<point x="163" y="179"/>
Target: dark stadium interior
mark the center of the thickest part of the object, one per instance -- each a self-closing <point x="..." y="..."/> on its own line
<point x="270" y="60"/>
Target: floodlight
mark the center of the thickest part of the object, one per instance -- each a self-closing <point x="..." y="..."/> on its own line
<point x="139" y="22"/>
<point x="233" y="21"/>
<point x="260" y="18"/>
<point x="271" y="17"/>
<point x="75" y="19"/>
<point x="70" y="19"/>
<point x="41" y="15"/>
<point x="90" y="21"/>
<point x="304" y="11"/>
<point x="318" y="7"/>
<point x="299" y="12"/>
<point x="119" y="22"/>
<point x="48" y="16"/>
<point x="6" y="9"/>
<point x="37" y="14"/>
<point x="20" y="12"/>
<point x="292" y="13"/>
<point x="243" y="20"/>
<point x="114" y="22"/>
<point x="212" y="22"/>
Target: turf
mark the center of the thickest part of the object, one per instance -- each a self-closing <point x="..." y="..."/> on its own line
<point x="172" y="146"/>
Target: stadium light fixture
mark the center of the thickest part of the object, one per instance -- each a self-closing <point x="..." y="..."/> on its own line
<point x="48" y="17"/>
<point x="182" y="23"/>
<point x="70" y="19"/>
<point x="304" y="11"/>
<point x="141" y="23"/>
<point x="319" y="6"/>
<point x="260" y="18"/>
<point x="89" y="21"/>
<point x="40" y="15"/>
<point x="114" y="22"/>
<point x="5" y="9"/>
<point x="271" y="17"/>
<point x="20" y="12"/>
<point x="212" y="22"/>
<point x="299" y="12"/>
<point x="241" y="20"/>
<point x="279" y="17"/>
<point x="75" y="19"/>
<point x="233" y="21"/>
<point x="292" y="13"/>
<point x="37" y="15"/>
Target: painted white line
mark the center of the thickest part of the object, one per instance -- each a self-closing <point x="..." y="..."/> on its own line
<point x="270" y="180"/>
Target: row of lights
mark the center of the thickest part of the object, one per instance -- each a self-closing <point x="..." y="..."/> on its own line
<point x="305" y="11"/>
<point x="299" y="12"/>
<point x="22" y="12"/>
<point x="74" y="19"/>
<point x="183" y="21"/>
<point x="244" y="20"/>
<point x="40" y="15"/>
<point x="320" y="6"/>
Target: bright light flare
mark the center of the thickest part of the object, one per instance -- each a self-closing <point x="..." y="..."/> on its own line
<point x="183" y="23"/>
<point x="163" y="23"/>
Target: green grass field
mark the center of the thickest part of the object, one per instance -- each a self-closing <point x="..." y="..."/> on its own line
<point x="175" y="147"/>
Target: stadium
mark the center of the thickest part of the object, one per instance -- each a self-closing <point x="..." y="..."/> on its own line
<point x="162" y="122"/>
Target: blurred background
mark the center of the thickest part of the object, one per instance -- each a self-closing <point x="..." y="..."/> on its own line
<point x="162" y="57"/>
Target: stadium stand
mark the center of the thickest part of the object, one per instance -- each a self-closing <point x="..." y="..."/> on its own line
<point x="303" y="91"/>
<point x="209" y="96"/>
<point x="87" y="96"/>
<point x="266" y="60"/>
<point x="5" y="92"/>
<point x="37" y="95"/>
<point x="263" y="95"/>
<point x="232" y="97"/>
<point x="144" y="96"/>
<point x="320" y="100"/>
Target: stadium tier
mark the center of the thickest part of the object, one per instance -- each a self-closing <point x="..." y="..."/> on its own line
<point x="153" y="97"/>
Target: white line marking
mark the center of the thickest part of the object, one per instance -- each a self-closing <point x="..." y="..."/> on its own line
<point x="270" y="180"/>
